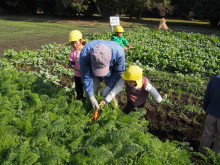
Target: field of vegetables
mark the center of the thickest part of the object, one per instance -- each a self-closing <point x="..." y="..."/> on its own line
<point x="41" y="123"/>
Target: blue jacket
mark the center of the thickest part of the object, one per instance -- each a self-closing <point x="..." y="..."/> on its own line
<point x="211" y="102"/>
<point x="116" y="67"/>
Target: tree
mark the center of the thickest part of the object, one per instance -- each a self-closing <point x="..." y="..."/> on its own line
<point x="134" y="7"/>
<point x="18" y="6"/>
<point x="106" y="8"/>
<point x="183" y="8"/>
<point x="160" y="8"/>
<point x="157" y="8"/>
<point x="74" y="7"/>
<point x="208" y="9"/>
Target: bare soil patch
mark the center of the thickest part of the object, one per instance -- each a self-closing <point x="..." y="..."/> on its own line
<point x="170" y="122"/>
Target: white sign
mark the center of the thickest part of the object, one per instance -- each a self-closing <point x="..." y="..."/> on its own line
<point x="114" y="20"/>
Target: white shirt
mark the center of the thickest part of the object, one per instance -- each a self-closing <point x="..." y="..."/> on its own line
<point x="121" y="84"/>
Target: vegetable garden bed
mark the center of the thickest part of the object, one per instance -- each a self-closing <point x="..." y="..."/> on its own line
<point x="177" y="64"/>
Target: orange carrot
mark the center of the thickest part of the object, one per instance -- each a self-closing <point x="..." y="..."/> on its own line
<point x="95" y="115"/>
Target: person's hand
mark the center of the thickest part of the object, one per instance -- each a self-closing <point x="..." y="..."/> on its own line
<point x="129" y="46"/>
<point x="102" y="103"/>
<point x="105" y="91"/>
<point x="94" y="102"/>
<point x="75" y="68"/>
<point x="126" y="48"/>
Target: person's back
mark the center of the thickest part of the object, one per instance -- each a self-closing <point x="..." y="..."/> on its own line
<point x="212" y="97"/>
<point x="101" y="60"/>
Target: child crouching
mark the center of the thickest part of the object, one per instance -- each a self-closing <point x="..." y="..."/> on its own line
<point x="137" y="88"/>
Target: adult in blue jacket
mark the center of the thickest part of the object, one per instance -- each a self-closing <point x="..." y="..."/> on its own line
<point x="101" y="60"/>
<point x="211" y="105"/>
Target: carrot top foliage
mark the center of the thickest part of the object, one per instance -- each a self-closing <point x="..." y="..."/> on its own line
<point x="41" y="124"/>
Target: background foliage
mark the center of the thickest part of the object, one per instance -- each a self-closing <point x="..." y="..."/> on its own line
<point x="203" y="9"/>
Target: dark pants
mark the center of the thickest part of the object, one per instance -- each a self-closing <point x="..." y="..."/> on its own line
<point x="130" y="107"/>
<point x="79" y="87"/>
<point x="212" y="129"/>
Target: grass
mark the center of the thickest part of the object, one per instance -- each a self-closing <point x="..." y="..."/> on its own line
<point x="23" y="32"/>
<point x="195" y="26"/>
<point x="180" y="21"/>
<point x="26" y="33"/>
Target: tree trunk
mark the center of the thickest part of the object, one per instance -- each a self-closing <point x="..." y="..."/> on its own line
<point x="214" y="22"/>
<point x="97" y="6"/>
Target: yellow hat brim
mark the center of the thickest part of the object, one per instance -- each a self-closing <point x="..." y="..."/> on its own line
<point x="124" y="76"/>
<point x="139" y="82"/>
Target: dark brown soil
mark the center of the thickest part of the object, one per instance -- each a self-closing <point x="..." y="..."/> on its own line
<point x="171" y="122"/>
<point x="50" y="62"/>
<point x="182" y="98"/>
<point x="24" y="67"/>
<point x="166" y="125"/>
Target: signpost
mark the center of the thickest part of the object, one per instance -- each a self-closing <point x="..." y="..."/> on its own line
<point x="114" y="21"/>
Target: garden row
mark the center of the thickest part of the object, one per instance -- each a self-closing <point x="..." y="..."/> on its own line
<point x="177" y="64"/>
<point x="43" y="124"/>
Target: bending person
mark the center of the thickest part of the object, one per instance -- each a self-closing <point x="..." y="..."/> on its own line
<point x="101" y="60"/>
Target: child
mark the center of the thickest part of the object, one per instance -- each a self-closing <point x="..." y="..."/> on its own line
<point x="118" y="38"/>
<point x="75" y="38"/>
<point x="137" y="88"/>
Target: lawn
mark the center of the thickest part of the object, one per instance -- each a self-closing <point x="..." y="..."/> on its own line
<point x="22" y="32"/>
<point x="32" y="33"/>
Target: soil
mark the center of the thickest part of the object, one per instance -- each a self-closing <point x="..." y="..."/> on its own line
<point x="169" y="122"/>
<point x="24" y="67"/>
<point x="172" y="127"/>
<point x="182" y="98"/>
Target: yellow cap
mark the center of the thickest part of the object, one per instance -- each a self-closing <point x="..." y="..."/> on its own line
<point x="75" y="35"/>
<point x="118" y="29"/>
<point x="133" y="73"/>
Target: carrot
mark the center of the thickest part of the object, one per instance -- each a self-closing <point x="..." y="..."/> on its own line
<point x="95" y="115"/>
